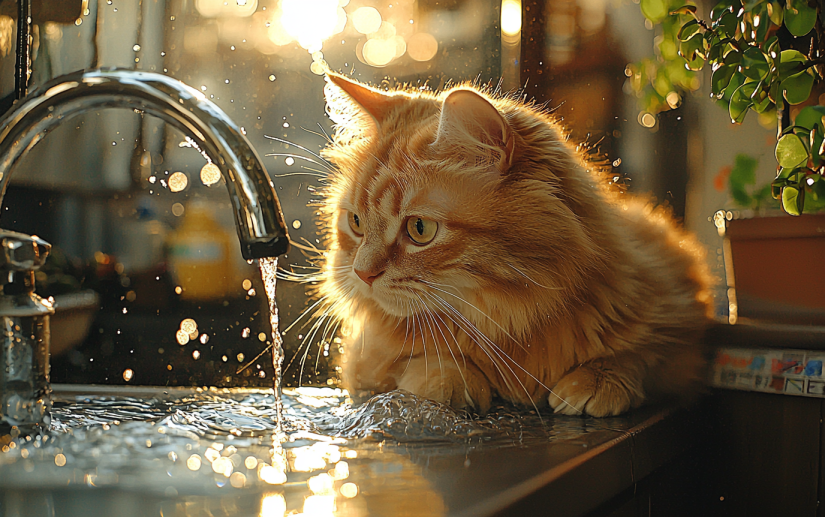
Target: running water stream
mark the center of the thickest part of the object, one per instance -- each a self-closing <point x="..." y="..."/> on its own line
<point x="269" y="266"/>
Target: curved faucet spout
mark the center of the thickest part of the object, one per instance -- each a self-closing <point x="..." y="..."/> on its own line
<point x="260" y="223"/>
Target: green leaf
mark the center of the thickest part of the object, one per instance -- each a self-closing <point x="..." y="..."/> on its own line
<point x="727" y="24"/>
<point x="789" y="62"/>
<point x="685" y="9"/>
<point x="740" y="101"/>
<point x="734" y="57"/>
<point x="776" y="12"/>
<point x="688" y="30"/>
<point x="761" y="10"/>
<point x="781" y="181"/>
<point x="721" y="78"/>
<point x="693" y="48"/>
<point x="791" y="151"/>
<point x="798" y="87"/>
<point x="789" y="200"/>
<point x="722" y="7"/>
<point x="810" y="116"/>
<point x="760" y="99"/>
<point x="800" y="18"/>
<point x="754" y="64"/>
<point x="654" y="10"/>
<point x="735" y="82"/>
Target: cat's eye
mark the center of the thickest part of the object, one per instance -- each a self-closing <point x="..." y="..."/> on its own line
<point x="355" y="223"/>
<point x="421" y="231"/>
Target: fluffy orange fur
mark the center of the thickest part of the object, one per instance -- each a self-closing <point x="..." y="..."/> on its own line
<point x="542" y="284"/>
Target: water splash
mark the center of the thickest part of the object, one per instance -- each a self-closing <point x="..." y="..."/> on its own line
<point x="269" y="267"/>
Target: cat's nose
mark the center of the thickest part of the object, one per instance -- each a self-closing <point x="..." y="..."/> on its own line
<point x="368" y="276"/>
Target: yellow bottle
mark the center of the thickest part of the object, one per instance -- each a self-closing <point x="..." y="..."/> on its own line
<point x="199" y="256"/>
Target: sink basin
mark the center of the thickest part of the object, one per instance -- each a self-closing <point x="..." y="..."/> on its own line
<point x="179" y="452"/>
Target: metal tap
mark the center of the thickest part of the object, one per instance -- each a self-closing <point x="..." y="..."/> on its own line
<point x="24" y="374"/>
<point x="258" y="218"/>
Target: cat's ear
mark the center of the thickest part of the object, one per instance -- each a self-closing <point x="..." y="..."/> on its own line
<point x="369" y="101"/>
<point x="468" y="119"/>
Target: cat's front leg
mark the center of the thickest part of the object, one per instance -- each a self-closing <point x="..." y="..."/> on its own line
<point x="605" y="386"/>
<point x="458" y="386"/>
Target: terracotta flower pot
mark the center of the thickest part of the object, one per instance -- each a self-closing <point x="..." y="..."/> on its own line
<point x="778" y="267"/>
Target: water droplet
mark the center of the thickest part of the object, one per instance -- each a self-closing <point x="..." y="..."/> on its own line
<point x="182" y="337"/>
<point x="296" y="223"/>
<point x="210" y="174"/>
<point x="178" y="181"/>
<point x="136" y="48"/>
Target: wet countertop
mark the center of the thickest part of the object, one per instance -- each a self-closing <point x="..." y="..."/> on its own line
<point x="133" y="451"/>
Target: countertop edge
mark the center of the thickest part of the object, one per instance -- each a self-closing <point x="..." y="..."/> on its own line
<point x="569" y="488"/>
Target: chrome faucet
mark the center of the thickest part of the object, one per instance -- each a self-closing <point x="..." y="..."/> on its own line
<point x="258" y="218"/>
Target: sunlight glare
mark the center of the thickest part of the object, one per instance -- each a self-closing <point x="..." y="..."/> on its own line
<point x="310" y="22"/>
<point x="510" y="17"/>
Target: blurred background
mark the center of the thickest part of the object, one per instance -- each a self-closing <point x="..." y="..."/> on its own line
<point x="148" y="277"/>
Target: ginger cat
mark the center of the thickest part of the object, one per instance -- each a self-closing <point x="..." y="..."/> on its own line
<point x="473" y="252"/>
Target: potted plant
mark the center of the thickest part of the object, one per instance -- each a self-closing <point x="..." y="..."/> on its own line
<point x="764" y="56"/>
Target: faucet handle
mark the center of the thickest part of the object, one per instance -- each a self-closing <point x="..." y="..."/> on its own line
<point x="21" y="252"/>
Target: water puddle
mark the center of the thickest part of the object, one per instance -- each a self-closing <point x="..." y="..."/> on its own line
<point x="213" y="443"/>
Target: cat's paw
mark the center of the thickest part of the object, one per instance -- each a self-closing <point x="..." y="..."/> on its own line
<point x="595" y="389"/>
<point x="460" y="389"/>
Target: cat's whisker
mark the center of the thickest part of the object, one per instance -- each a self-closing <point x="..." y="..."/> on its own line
<point x="432" y="315"/>
<point x="327" y="314"/>
<point x="455" y="340"/>
<point x="522" y="273"/>
<point x="498" y="351"/>
<point x="330" y="322"/>
<point x="250" y="363"/>
<point x="494" y="322"/>
<point x="300" y="157"/>
<point x="289" y="174"/>
<point x="423" y="340"/>
<point x="323" y="133"/>
<point x="424" y="314"/>
<point x="412" y="345"/>
<point x="305" y="312"/>
<point x="326" y="163"/>
<point x="471" y="333"/>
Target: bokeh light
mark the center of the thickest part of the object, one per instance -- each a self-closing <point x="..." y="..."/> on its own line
<point x="422" y="46"/>
<point x="366" y="20"/>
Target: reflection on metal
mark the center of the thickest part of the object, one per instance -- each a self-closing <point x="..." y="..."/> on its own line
<point x="258" y="217"/>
